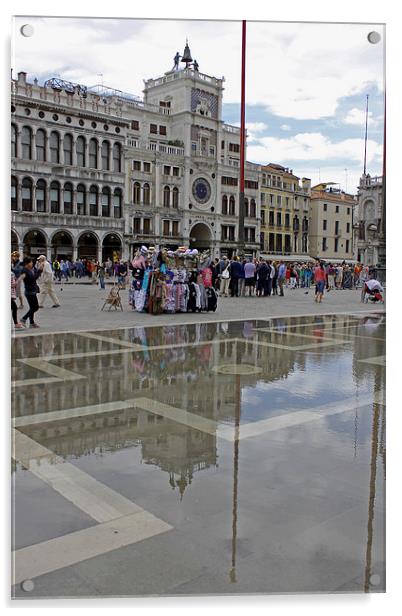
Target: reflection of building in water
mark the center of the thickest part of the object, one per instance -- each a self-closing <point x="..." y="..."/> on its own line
<point x="172" y="447"/>
<point x="179" y="373"/>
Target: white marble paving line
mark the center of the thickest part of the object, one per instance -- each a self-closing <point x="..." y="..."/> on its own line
<point x="294" y="416"/>
<point x="89" y="495"/>
<point x="44" y="365"/>
<point x="309" y="323"/>
<point x="379" y="360"/>
<point x="303" y="347"/>
<point x="366" y="336"/>
<point x="38" y="381"/>
<point x="107" y="328"/>
<point x="71" y="413"/>
<point x="36" y="560"/>
<point x="295" y="334"/>
<point x="177" y="414"/>
<point x="117" y="341"/>
<point x="297" y="417"/>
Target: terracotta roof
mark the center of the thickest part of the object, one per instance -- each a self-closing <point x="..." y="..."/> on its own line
<point x="327" y="196"/>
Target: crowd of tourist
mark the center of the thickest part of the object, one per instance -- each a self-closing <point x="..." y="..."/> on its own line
<point x="260" y="277"/>
<point x="233" y="277"/>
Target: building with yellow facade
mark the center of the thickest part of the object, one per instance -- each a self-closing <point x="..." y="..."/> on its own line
<point x="285" y="206"/>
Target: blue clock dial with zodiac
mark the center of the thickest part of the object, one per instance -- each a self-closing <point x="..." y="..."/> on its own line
<point x="201" y="190"/>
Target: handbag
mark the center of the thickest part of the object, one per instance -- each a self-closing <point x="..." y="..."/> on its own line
<point x="225" y="274"/>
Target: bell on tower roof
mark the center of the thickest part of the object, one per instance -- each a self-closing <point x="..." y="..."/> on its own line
<point x="186" y="57"/>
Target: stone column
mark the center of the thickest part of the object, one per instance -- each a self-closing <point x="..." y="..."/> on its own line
<point x="110" y="156"/>
<point x="74" y="201"/>
<point x="18" y="146"/>
<point x="19" y="195"/>
<point x="61" y="148"/>
<point x="86" y="150"/>
<point x="74" y="152"/>
<point x="75" y="250"/>
<point x="33" y="144"/>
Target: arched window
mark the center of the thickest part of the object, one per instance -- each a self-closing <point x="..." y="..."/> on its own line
<point x="40" y="194"/>
<point x="81" y="200"/>
<point x="246" y="212"/>
<point x="175" y="197"/>
<point x="117" y="157"/>
<point x="26" y="142"/>
<point x="14" y="193"/>
<point x="117" y="200"/>
<point x="146" y="194"/>
<point x="232" y="206"/>
<point x="40" y="139"/>
<point x="26" y="194"/>
<point x="105" y="155"/>
<point x="166" y="196"/>
<point x="93" y="201"/>
<point x="13" y="141"/>
<point x="253" y="209"/>
<point x="136" y="192"/>
<point x="105" y="201"/>
<point x="80" y="147"/>
<point x="54" y="147"/>
<point x="55" y="198"/>
<point x="224" y="204"/>
<point x="68" y="149"/>
<point x="93" y="153"/>
<point x="68" y="198"/>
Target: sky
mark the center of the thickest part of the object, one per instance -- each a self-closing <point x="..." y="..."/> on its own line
<point x="306" y="83"/>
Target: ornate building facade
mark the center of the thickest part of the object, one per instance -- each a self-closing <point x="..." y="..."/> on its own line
<point x="97" y="172"/>
<point x="368" y="227"/>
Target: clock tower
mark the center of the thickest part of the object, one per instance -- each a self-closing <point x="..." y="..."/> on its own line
<point x="193" y="101"/>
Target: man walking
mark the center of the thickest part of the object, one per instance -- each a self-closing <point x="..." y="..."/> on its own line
<point x="46" y="284"/>
<point x="281" y="277"/>
<point x="16" y="268"/>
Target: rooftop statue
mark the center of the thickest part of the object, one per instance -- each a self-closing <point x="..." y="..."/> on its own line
<point x="176" y="61"/>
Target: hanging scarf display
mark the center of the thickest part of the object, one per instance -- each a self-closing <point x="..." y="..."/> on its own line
<point x="170" y="282"/>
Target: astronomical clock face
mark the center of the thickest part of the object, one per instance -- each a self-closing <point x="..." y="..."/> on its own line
<point x="201" y="190"/>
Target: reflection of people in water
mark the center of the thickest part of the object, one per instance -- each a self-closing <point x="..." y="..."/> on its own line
<point x="372" y="323"/>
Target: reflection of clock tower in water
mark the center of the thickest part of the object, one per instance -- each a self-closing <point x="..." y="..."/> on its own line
<point x="194" y="101"/>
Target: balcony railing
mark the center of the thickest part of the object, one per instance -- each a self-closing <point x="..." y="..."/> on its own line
<point x="155" y="147"/>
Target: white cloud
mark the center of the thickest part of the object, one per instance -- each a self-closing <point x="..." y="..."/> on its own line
<point x="253" y="130"/>
<point x="315" y="156"/>
<point x="286" y="127"/>
<point x="256" y="127"/>
<point x="312" y="146"/>
<point x="295" y="70"/>
<point x="357" y="117"/>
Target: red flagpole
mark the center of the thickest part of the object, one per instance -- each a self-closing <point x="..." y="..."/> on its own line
<point x="242" y="138"/>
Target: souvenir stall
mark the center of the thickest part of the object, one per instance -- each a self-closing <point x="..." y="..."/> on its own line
<point x="172" y="281"/>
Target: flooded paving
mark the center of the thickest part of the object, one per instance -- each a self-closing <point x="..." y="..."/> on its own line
<point x="206" y="458"/>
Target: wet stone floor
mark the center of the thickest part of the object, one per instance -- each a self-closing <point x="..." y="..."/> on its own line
<point x="210" y="458"/>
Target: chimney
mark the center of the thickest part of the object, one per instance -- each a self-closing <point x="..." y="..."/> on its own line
<point x="22" y="78"/>
<point x="306" y="184"/>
